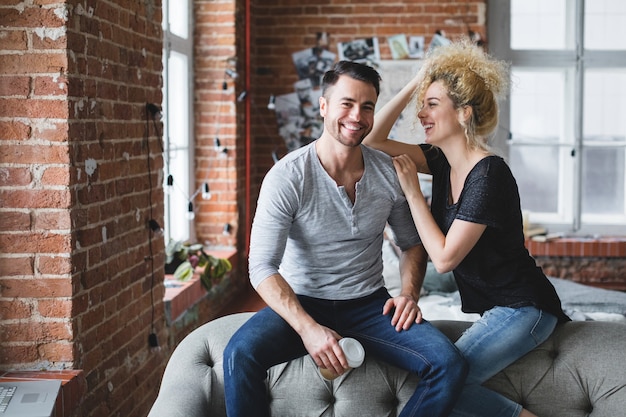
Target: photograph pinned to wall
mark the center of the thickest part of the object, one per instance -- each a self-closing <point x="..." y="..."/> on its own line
<point x="416" y="47"/>
<point x="439" y="39"/>
<point x="304" y="90"/>
<point x="297" y="115"/>
<point x="394" y="76"/>
<point x="313" y="62"/>
<point x="398" y="46"/>
<point x="365" y="51"/>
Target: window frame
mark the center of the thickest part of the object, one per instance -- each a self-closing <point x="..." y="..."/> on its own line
<point x="579" y="60"/>
<point x="176" y="201"/>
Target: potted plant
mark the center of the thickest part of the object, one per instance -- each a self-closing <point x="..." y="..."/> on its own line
<point x="183" y="259"/>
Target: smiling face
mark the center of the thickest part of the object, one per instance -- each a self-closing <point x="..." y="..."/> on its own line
<point x="348" y="110"/>
<point x="438" y="116"/>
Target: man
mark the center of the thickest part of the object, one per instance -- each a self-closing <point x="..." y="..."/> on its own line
<point x="315" y="259"/>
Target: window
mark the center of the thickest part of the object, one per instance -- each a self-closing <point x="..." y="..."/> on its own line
<point x="564" y="123"/>
<point x="178" y="117"/>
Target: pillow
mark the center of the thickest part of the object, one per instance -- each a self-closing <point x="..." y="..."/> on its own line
<point x="434" y="282"/>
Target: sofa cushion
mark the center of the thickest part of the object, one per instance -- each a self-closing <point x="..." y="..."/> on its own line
<point x="578" y="371"/>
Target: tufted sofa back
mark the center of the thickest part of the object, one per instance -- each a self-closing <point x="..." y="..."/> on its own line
<point x="579" y="371"/>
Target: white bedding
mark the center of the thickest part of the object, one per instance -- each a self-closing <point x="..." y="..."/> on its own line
<point x="580" y="302"/>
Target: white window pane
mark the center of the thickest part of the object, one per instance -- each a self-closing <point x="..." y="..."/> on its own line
<point x="603" y="181"/>
<point x="179" y="18"/>
<point x="178" y="100"/>
<point x="540" y="24"/>
<point x="177" y="112"/>
<point x="604" y="137"/>
<point x="536" y="169"/>
<point x="604" y="24"/>
<point x="179" y="195"/>
<point x="537" y="104"/>
<point x="605" y="105"/>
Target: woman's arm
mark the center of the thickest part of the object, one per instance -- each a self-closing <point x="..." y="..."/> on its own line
<point x="384" y="120"/>
<point x="446" y="251"/>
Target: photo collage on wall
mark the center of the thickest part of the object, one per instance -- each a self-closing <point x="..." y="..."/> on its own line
<point x="298" y="113"/>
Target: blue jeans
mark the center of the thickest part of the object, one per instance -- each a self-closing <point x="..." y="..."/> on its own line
<point x="267" y="340"/>
<point x="500" y="337"/>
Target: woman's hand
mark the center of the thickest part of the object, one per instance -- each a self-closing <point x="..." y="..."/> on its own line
<point x="407" y="174"/>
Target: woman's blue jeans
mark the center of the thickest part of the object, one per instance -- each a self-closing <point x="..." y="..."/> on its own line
<point x="266" y="340"/>
<point x="500" y="337"/>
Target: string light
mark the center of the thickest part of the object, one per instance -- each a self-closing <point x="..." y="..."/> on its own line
<point x="206" y="193"/>
<point x="155" y="227"/>
<point x="190" y="213"/>
<point x="170" y="185"/>
<point x="231" y="73"/>
<point x="217" y="144"/>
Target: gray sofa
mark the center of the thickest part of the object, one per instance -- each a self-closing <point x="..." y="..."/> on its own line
<point x="579" y="371"/>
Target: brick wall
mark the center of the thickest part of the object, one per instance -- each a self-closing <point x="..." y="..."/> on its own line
<point x="218" y="46"/>
<point x="76" y="281"/>
<point x="76" y="288"/>
<point x="282" y="28"/>
<point x="36" y="240"/>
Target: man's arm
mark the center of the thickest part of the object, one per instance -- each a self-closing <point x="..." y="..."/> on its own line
<point x="319" y="341"/>
<point x="413" y="263"/>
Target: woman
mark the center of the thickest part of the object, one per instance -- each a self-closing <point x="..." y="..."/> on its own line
<point x="474" y="224"/>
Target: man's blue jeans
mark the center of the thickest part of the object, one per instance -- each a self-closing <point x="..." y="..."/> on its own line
<point x="500" y="337"/>
<point x="267" y="340"/>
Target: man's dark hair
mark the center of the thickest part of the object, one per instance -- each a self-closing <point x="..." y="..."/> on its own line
<point x="355" y="70"/>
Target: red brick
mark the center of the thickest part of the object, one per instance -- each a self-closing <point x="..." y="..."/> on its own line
<point x="15" y="86"/>
<point x="56" y="352"/>
<point x="36" y="288"/>
<point x="15" y="221"/>
<point x="15" y="309"/>
<point x="39" y="331"/>
<point x="55" y="308"/>
<point x="51" y="220"/>
<point x="13" y="130"/>
<point x="32" y="17"/>
<point x="14" y="40"/>
<point x="50" y="86"/>
<point x="12" y="355"/>
<point x="55" y="176"/>
<point x="35" y="243"/>
<point x="34" y="198"/>
<point x="16" y="266"/>
<point x="47" y="265"/>
<point x="16" y="177"/>
<point x="33" y="63"/>
<point x="55" y="109"/>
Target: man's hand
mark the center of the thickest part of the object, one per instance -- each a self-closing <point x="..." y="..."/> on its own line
<point x="405" y="312"/>
<point x="322" y="344"/>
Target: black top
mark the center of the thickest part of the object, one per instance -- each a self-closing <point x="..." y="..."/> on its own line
<point x="498" y="270"/>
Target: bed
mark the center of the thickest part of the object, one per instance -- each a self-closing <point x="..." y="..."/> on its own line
<point x="440" y="298"/>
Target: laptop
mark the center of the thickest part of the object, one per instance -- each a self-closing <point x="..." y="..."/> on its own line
<point x="32" y="398"/>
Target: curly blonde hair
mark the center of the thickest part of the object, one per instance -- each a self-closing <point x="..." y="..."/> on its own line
<point x="471" y="78"/>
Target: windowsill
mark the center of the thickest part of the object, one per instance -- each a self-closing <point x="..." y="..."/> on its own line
<point x="180" y="296"/>
<point x="600" y="247"/>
